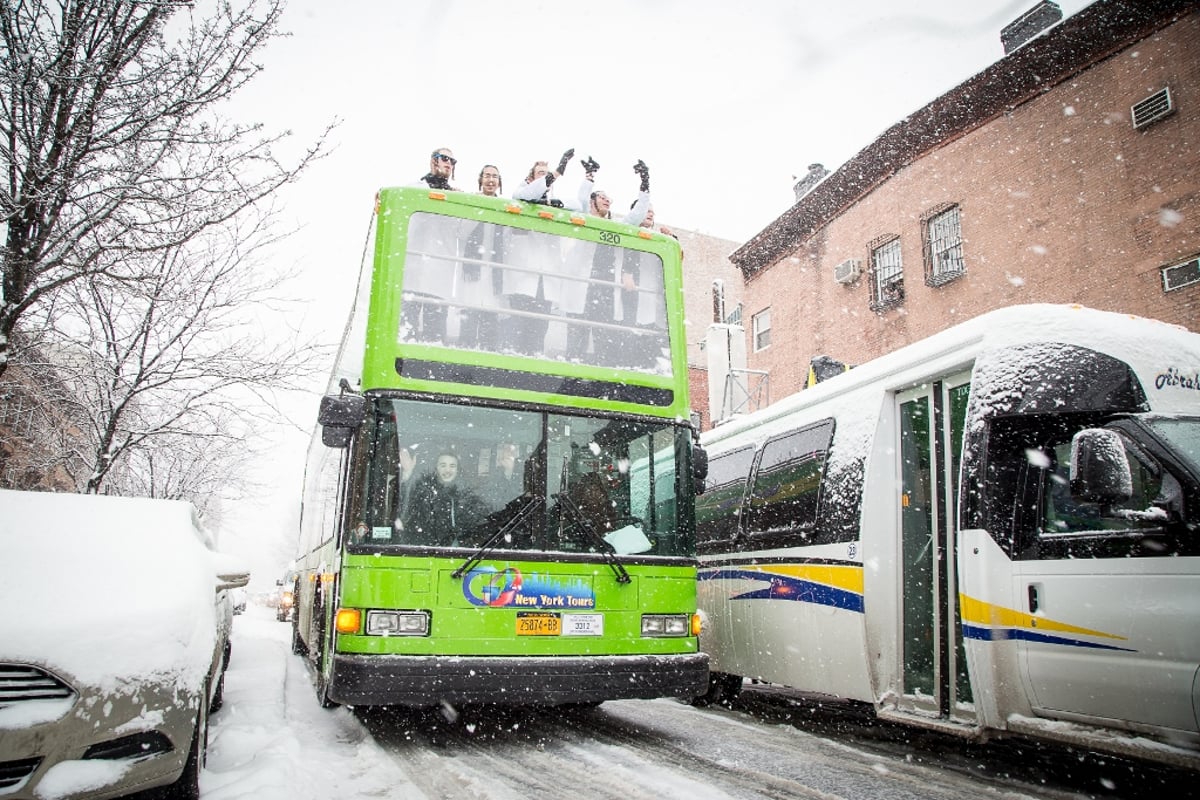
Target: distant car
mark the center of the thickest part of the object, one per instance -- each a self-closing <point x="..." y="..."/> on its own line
<point x="287" y="598"/>
<point x="113" y="644"/>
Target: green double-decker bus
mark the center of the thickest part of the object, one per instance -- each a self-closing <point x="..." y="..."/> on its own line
<point x="499" y="497"/>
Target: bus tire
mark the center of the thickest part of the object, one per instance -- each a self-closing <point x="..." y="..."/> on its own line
<point x="722" y="688"/>
<point x="321" y="654"/>
<point x="298" y="647"/>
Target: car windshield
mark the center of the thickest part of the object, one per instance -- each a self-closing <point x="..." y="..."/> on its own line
<point x="437" y="475"/>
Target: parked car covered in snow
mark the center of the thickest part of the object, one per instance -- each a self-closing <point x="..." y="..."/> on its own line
<point x="106" y="689"/>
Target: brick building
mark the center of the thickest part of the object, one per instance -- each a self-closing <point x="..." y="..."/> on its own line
<point x="39" y="434"/>
<point x="705" y="261"/>
<point x="1067" y="172"/>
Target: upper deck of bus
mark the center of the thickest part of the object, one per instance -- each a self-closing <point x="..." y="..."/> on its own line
<point x="473" y="296"/>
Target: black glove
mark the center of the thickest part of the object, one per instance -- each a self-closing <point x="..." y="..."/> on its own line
<point x="641" y="169"/>
<point x="589" y="165"/>
<point x="562" y="163"/>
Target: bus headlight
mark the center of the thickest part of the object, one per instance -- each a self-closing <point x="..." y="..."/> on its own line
<point x="666" y="625"/>
<point x="397" y="623"/>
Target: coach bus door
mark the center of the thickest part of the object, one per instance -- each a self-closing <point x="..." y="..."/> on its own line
<point x="933" y="662"/>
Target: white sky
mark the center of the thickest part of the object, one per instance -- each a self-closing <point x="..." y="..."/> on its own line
<point x="725" y="102"/>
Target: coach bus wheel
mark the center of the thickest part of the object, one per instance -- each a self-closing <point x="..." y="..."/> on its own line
<point x="321" y="648"/>
<point x="722" y="688"/>
<point x="298" y="647"/>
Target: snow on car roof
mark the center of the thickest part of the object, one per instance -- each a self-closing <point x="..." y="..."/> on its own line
<point x="111" y="590"/>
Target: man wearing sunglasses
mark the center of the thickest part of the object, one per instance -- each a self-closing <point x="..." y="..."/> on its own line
<point x="441" y="169"/>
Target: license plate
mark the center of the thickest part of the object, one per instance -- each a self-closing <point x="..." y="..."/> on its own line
<point x="583" y="625"/>
<point x="532" y="623"/>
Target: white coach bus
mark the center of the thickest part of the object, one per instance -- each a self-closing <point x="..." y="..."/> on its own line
<point x="994" y="530"/>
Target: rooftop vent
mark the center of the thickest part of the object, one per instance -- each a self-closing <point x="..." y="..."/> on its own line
<point x="1181" y="275"/>
<point x="816" y="172"/>
<point x="1153" y="108"/>
<point x="1029" y="25"/>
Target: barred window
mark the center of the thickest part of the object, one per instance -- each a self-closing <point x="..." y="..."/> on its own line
<point x="943" y="246"/>
<point x="16" y="413"/>
<point x="887" y="273"/>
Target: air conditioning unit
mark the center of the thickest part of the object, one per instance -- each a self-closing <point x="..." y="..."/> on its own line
<point x="847" y="271"/>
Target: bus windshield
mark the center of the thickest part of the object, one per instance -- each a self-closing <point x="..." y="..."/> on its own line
<point x="438" y="475"/>
<point x="470" y="284"/>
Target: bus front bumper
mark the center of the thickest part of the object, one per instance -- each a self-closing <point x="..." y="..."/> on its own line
<point x="513" y="680"/>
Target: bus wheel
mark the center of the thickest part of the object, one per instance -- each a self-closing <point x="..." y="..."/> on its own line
<point x="298" y="647"/>
<point x="322" y="683"/>
<point x="722" y="688"/>
<point x="321" y="651"/>
<point x="731" y="687"/>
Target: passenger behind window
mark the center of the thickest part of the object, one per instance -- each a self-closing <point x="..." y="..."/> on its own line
<point x="443" y="512"/>
<point x="505" y="481"/>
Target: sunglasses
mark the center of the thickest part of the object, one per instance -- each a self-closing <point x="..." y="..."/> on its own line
<point x="444" y="157"/>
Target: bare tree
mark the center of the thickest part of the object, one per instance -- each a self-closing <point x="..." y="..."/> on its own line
<point x="207" y="467"/>
<point x="109" y="140"/>
<point x="173" y="356"/>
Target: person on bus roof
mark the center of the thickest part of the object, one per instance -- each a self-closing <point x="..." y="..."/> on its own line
<point x="490" y="183"/>
<point x="597" y="201"/>
<point x="536" y="188"/>
<point x="591" y="296"/>
<point x="441" y="169"/>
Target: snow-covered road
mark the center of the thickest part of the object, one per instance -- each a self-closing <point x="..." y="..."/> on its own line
<point x="272" y="741"/>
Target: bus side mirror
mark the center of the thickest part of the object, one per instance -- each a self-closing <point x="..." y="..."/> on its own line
<point x="1099" y="468"/>
<point x="340" y="415"/>
<point x="699" y="468"/>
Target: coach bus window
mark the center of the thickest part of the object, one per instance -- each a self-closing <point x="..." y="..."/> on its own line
<point x="1048" y="521"/>
<point x="479" y="286"/>
<point x="1075" y="527"/>
<point x="719" y="508"/>
<point x="616" y="474"/>
<point x="783" y="500"/>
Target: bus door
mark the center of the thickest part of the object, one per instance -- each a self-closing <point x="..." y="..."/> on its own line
<point x="933" y="665"/>
<point x="1113" y="591"/>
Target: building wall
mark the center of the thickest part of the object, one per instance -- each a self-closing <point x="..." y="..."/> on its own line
<point x="1061" y="201"/>
<point x="705" y="259"/>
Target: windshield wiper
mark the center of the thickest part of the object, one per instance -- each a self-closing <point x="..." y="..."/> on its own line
<point x="524" y="511"/>
<point x="567" y="506"/>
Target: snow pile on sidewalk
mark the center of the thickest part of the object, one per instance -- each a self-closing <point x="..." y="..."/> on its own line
<point x="272" y="741"/>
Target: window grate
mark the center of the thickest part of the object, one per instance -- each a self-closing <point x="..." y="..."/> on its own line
<point x="887" y="275"/>
<point x="1153" y="108"/>
<point x="943" y="247"/>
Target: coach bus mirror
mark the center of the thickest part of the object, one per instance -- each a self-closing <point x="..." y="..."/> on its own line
<point x="342" y="410"/>
<point x="699" y="468"/>
<point x="336" y="435"/>
<point x="1099" y="467"/>
<point x="340" y="416"/>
